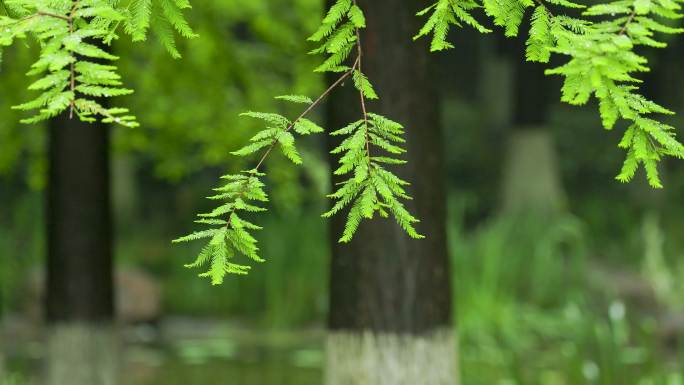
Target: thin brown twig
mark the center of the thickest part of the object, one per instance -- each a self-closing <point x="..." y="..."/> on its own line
<point x="627" y="23"/>
<point x="72" y="71"/>
<point x="35" y="15"/>
<point x="359" y="59"/>
<point x="363" y="103"/>
<point x="313" y="105"/>
<point x="356" y="66"/>
<point x="56" y="16"/>
<point x="306" y="112"/>
<point x="623" y="30"/>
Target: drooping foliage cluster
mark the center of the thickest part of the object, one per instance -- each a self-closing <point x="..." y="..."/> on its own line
<point x="444" y="14"/>
<point x="75" y="70"/>
<point x="253" y="51"/>
<point x="368" y="145"/>
<point x="244" y="72"/>
<point x="600" y="46"/>
<point x="231" y="236"/>
<point x="370" y="186"/>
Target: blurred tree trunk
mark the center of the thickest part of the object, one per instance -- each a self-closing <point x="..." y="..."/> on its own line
<point x="531" y="176"/>
<point x="2" y="322"/>
<point x="496" y="82"/>
<point x="390" y="299"/>
<point x="2" y="357"/>
<point x="80" y="308"/>
<point x="124" y="190"/>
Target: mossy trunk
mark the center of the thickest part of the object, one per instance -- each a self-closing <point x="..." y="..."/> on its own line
<point x="495" y="98"/>
<point x="2" y="330"/>
<point x="79" y="295"/>
<point x="531" y="181"/>
<point x="390" y="299"/>
<point x="531" y="174"/>
<point x="2" y="362"/>
<point x="124" y="189"/>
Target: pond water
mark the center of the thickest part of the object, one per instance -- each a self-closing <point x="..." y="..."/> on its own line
<point x="267" y="361"/>
<point x="211" y="372"/>
<point x="196" y="352"/>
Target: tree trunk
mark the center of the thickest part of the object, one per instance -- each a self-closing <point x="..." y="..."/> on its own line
<point x="81" y="348"/>
<point x="531" y="181"/>
<point x="531" y="176"/>
<point x="390" y="300"/>
<point x="496" y="96"/>
<point x="3" y="375"/>
<point x="2" y="323"/>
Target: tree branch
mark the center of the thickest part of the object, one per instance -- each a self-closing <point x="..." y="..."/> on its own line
<point x="307" y="111"/>
<point x="56" y="16"/>
<point x="290" y="127"/>
<point x="627" y="23"/>
<point x="72" y="71"/>
<point x="359" y="60"/>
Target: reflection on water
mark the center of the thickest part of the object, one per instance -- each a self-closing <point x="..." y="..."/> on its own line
<point x="211" y="372"/>
<point x="212" y="361"/>
<point x="200" y="352"/>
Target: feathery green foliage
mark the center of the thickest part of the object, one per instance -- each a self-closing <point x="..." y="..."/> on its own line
<point x="507" y="13"/>
<point x="371" y="188"/>
<point x="74" y="69"/>
<point x="338" y="35"/>
<point x="602" y="63"/>
<point x="231" y="236"/>
<point x="444" y="14"/>
<point x="163" y="17"/>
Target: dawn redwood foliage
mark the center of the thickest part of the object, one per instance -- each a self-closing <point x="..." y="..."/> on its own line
<point x="599" y="42"/>
<point x="73" y="70"/>
<point x="369" y="144"/>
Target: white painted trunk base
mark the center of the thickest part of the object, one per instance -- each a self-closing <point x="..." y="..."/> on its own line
<point x="81" y="354"/>
<point x="391" y="359"/>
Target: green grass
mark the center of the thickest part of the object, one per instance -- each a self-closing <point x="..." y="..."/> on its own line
<point x="526" y="310"/>
<point x="527" y="313"/>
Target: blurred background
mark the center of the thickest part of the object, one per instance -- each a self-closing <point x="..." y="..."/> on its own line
<point x="587" y="290"/>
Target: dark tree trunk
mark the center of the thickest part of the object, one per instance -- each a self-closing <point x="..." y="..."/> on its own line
<point x="532" y="99"/>
<point x="390" y="303"/>
<point x="79" y="295"/>
<point x="79" y="284"/>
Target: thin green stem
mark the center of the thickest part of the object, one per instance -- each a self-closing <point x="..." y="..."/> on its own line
<point x="72" y="71"/>
<point x="56" y="16"/>
<point x="268" y="151"/>
<point x="627" y="23"/>
<point x="307" y="111"/>
<point x="359" y="60"/>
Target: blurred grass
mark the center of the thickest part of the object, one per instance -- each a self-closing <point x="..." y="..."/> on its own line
<point x="527" y="310"/>
<point x="290" y="288"/>
<point x="527" y="313"/>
